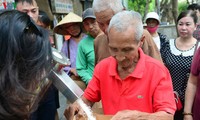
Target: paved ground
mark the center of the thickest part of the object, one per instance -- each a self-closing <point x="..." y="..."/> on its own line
<point x="63" y="105"/>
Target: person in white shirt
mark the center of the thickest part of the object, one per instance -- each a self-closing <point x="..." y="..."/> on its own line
<point x="152" y="20"/>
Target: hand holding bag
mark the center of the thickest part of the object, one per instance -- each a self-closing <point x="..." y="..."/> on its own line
<point x="178" y="102"/>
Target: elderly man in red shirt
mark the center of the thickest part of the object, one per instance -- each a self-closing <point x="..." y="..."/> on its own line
<point x="130" y="84"/>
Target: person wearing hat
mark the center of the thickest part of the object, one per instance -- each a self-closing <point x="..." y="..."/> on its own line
<point x="152" y="20"/>
<point x="85" y="56"/>
<point x="71" y="25"/>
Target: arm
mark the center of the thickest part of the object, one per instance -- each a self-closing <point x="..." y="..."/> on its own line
<point x="192" y="85"/>
<point x="189" y="96"/>
<point x="137" y="115"/>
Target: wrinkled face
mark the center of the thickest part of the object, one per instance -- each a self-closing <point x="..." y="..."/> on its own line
<point x="103" y="18"/>
<point x="73" y="29"/>
<point x="123" y="47"/>
<point x="91" y="26"/>
<point x="30" y="9"/>
<point x="152" y="22"/>
<point x="186" y="27"/>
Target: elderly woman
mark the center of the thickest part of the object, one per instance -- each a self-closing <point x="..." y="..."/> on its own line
<point x="71" y="25"/>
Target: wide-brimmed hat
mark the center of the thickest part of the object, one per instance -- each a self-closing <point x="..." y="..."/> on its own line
<point x="88" y="13"/>
<point x="152" y="15"/>
<point x="69" y="18"/>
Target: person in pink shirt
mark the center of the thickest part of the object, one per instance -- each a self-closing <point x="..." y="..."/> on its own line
<point x="130" y="84"/>
<point x="192" y="93"/>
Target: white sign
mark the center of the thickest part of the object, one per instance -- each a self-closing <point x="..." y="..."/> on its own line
<point x="62" y="6"/>
<point x="7" y="4"/>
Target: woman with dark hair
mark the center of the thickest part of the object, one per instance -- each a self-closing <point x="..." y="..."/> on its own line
<point x="49" y="103"/>
<point x="43" y="20"/>
<point x="25" y="60"/>
<point x="177" y="54"/>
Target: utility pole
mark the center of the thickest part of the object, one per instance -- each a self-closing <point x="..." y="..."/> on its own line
<point x="157" y="6"/>
<point x="125" y="3"/>
<point x="198" y="1"/>
<point x="86" y="4"/>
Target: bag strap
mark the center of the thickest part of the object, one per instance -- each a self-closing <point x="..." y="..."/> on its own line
<point x="68" y="50"/>
<point x="196" y="46"/>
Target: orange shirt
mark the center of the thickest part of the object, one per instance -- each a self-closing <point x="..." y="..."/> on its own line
<point x="148" y="88"/>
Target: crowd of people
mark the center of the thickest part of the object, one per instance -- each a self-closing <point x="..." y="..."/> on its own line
<point x="124" y="70"/>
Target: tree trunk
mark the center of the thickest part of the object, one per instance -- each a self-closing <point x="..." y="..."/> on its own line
<point x="198" y="1"/>
<point x="146" y="8"/>
<point x="157" y="6"/>
<point x="166" y="11"/>
<point x="175" y="9"/>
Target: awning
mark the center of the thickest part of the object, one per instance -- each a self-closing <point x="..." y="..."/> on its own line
<point x="45" y="6"/>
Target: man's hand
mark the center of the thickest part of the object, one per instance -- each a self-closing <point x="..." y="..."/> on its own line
<point x="72" y="110"/>
<point x="73" y="71"/>
<point x="75" y="110"/>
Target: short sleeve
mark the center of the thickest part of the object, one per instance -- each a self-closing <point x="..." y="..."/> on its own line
<point x="195" y="67"/>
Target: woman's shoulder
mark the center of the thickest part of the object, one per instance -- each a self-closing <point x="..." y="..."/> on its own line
<point x="166" y="45"/>
<point x="162" y="36"/>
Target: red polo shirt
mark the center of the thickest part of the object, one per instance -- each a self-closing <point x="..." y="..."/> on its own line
<point x="147" y="89"/>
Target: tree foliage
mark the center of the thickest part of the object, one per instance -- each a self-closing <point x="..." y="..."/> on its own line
<point x="168" y="9"/>
<point x="141" y="6"/>
<point x="182" y="6"/>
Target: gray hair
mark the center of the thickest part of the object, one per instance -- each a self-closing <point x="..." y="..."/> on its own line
<point x="101" y="5"/>
<point x="125" y="19"/>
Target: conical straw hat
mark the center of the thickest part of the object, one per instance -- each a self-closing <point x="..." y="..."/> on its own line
<point x="69" y="18"/>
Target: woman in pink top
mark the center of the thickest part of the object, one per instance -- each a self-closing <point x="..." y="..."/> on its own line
<point x="192" y="94"/>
